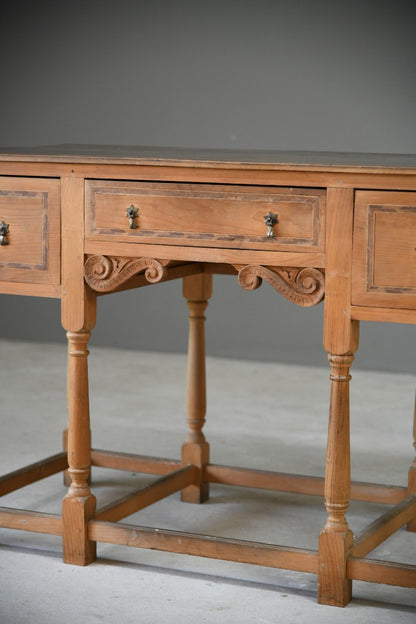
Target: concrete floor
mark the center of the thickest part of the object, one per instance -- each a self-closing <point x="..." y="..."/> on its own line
<point x="268" y="416"/>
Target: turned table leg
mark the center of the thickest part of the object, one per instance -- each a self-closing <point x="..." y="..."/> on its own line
<point x="197" y="289"/>
<point x="78" y="318"/>
<point x="79" y="504"/>
<point x="341" y="336"/>
<point x="411" y="526"/>
<point x="335" y="541"/>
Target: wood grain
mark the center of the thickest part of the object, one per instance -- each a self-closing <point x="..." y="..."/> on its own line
<point x="255" y="553"/>
<point x="31" y="209"/>
<point x="384" y="269"/>
<point x="385" y="572"/>
<point x="34" y="521"/>
<point x="340" y="333"/>
<point x="161" y="488"/>
<point x="32" y="473"/>
<point x="206" y="215"/>
<point x="197" y="290"/>
<point x="387" y="524"/>
<point x="352" y="217"/>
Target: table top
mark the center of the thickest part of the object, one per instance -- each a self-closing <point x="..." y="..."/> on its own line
<point x="213" y="158"/>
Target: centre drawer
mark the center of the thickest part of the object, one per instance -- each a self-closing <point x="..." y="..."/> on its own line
<point x="238" y="217"/>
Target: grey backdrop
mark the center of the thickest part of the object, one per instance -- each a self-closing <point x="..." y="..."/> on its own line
<point x="294" y="74"/>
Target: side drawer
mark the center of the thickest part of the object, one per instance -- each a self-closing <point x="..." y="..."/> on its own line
<point x="206" y="215"/>
<point x="30" y="224"/>
<point x="384" y="256"/>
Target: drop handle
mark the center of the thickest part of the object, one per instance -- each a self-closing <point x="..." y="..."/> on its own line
<point x="132" y="213"/>
<point x="4" y="230"/>
<point x="270" y="220"/>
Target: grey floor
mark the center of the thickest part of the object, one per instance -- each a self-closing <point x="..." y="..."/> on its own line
<point x="268" y="416"/>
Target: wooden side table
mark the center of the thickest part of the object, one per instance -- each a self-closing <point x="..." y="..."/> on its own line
<point x="81" y="221"/>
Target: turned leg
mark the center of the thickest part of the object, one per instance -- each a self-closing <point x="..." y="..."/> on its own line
<point x="79" y="504"/>
<point x="195" y="450"/>
<point x="79" y="310"/>
<point x="335" y="541"/>
<point x="66" y="475"/>
<point x="411" y="526"/>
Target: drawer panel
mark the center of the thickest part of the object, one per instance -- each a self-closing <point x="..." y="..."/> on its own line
<point x="206" y="215"/>
<point x="384" y="259"/>
<point x="30" y="214"/>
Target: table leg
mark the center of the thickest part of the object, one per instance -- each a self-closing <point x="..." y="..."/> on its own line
<point x="197" y="289"/>
<point x="336" y="539"/>
<point x="79" y="504"/>
<point x="78" y="318"/>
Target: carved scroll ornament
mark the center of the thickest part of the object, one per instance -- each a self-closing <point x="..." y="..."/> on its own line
<point x="304" y="286"/>
<point x="107" y="273"/>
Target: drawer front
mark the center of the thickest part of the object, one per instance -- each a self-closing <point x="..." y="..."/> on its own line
<point x="384" y="260"/>
<point x="30" y="229"/>
<point x="206" y="215"/>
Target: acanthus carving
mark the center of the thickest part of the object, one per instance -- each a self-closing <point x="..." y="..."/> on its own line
<point x="107" y="273"/>
<point x="303" y="286"/>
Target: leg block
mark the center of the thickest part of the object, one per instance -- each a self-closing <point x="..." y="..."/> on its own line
<point x="76" y="513"/>
<point x="334" y="588"/>
<point x="196" y="455"/>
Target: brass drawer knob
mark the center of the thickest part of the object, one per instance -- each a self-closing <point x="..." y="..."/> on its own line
<point x="4" y="230"/>
<point x="132" y="213"/>
<point x="270" y="220"/>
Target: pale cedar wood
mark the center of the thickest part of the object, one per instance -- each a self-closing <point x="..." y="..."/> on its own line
<point x="385" y="572"/>
<point x="384" y="270"/>
<point x="78" y="318"/>
<point x="79" y="505"/>
<point x="298" y="484"/>
<point x="245" y="477"/>
<point x="206" y="215"/>
<point x="134" y="463"/>
<point x="164" y="486"/>
<point x="197" y="289"/>
<point x="256" y="553"/>
<point x="211" y="256"/>
<point x="33" y="290"/>
<point x="32" y="473"/>
<point x="174" y="271"/>
<point x="381" y="178"/>
<point x="78" y="301"/>
<point x="341" y="341"/>
<point x="383" y="315"/>
<point x="384" y="526"/>
<point x="34" y="521"/>
<point x="31" y="208"/>
<point x="349" y="251"/>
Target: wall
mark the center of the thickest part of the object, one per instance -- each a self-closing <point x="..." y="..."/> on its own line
<point x="252" y="74"/>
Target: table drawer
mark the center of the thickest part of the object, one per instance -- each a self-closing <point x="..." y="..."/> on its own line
<point x="206" y="215"/>
<point x="30" y="230"/>
<point x="384" y="257"/>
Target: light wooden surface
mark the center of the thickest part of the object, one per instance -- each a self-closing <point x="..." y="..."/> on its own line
<point x="385" y="250"/>
<point x="206" y="215"/>
<point x="345" y="230"/>
<point x="31" y="209"/>
<point x="197" y="289"/>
